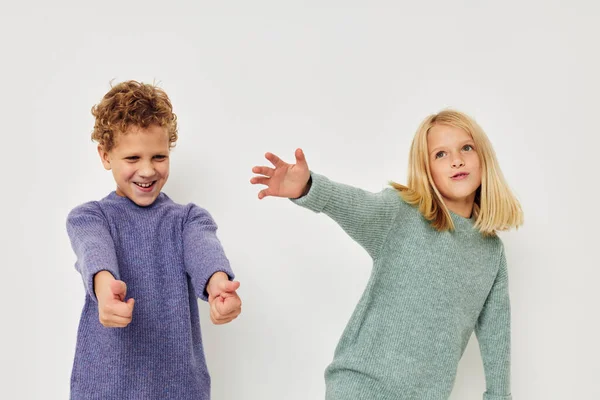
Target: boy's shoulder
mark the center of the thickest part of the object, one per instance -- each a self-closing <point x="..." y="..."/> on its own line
<point x="87" y="208"/>
<point x="196" y="213"/>
<point x="93" y="207"/>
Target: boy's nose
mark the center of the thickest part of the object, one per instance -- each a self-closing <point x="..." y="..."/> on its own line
<point x="146" y="171"/>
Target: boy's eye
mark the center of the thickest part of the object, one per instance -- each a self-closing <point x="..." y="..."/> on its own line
<point x="132" y="158"/>
<point x="160" y="157"/>
<point x="439" y="154"/>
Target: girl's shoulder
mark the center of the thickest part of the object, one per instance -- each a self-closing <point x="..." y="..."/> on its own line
<point x="393" y="199"/>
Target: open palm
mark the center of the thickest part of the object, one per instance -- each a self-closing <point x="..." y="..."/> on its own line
<point x="285" y="180"/>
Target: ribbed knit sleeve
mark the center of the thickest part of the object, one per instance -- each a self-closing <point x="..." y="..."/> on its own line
<point x="367" y="217"/>
<point x="92" y="243"/>
<point x="493" y="334"/>
<point x="203" y="252"/>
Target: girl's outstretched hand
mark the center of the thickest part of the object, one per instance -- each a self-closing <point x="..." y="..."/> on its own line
<point x="285" y="180"/>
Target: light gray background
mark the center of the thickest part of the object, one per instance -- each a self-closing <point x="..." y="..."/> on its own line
<point x="348" y="82"/>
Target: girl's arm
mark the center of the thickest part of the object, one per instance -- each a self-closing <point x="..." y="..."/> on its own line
<point x="493" y="333"/>
<point x="92" y="243"/>
<point x="366" y="217"/>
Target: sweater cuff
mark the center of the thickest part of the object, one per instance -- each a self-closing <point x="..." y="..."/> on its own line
<point x="487" y="396"/>
<point x="203" y="295"/>
<point x="89" y="280"/>
<point x="319" y="194"/>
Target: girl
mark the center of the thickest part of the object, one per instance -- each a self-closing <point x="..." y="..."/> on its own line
<point x="439" y="269"/>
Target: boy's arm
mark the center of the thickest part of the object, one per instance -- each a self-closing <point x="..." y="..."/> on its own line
<point x="202" y="250"/>
<point x="367" y="217"/>
<point x="493" y="333"/>
<point x="92" y="243"/>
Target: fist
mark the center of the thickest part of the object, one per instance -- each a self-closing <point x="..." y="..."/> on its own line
<point x="225" y="304"/>
<point x="113" y="310"/>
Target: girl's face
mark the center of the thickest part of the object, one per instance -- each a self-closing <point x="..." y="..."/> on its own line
<point x="455" y="166"/>
<point x="140" y="163"/>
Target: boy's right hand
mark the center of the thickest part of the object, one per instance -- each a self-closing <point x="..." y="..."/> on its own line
<point x="113" y="310"/>
<point x="285" y="180"/>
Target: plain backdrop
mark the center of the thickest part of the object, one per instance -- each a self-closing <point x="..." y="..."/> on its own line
<point x="347" y="81"/>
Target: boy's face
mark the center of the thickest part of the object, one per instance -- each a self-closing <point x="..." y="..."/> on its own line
<point x="454" y="164"/>
<point x="139" y="162"/>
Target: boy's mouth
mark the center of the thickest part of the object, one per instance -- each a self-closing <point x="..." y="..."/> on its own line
<point x="146" y="185"/>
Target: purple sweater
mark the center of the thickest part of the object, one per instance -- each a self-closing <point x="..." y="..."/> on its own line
<point x="165" y="253"/>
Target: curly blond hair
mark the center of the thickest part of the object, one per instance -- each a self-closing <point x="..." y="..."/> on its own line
<point x="132" y="103"/>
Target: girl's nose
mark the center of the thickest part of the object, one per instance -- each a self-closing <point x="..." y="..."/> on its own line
<point x="458" y="162"/>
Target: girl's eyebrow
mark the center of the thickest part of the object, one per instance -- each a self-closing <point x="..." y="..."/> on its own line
<point x="468" y="141"/>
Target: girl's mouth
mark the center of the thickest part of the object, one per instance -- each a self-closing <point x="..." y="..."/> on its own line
<point x="460" y="176"/>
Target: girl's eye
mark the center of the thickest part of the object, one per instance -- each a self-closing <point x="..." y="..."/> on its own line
<point x="468" y="147"/>
<point x="439" y="154"/>
<point x="132" y="158"/>
<point x="160" y="158"/>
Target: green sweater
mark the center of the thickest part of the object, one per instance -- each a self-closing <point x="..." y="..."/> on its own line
<point x="427" y="293"/>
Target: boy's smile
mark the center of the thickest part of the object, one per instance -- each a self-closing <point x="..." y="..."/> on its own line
<point x="139" y="162"/>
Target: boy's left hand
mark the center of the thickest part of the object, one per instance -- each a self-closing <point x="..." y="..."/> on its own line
<point x="225" y="304"/>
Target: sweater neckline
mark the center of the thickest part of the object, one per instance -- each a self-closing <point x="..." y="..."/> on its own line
<point x="113" y="196"/>
<point x="463" y="224"/>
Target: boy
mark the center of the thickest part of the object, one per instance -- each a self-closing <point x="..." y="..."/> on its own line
<point x="144" y="259"/>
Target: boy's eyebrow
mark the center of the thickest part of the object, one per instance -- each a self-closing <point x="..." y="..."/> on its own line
<point x="135" y="154"/>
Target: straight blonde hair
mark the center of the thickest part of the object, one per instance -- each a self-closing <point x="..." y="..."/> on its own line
<point x="495" y="208"/>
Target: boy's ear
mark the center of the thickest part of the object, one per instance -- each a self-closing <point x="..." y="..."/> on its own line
<point x="104" y="157"/>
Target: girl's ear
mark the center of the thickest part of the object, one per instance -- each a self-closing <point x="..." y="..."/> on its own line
<point x="104" y="157"/>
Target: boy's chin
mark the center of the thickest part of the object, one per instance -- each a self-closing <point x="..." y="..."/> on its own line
<point x="146" y="199"/>
<point x="143" y="202"/>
